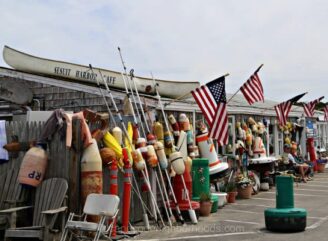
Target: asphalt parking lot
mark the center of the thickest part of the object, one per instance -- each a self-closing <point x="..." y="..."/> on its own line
<point x="244" y="220"/>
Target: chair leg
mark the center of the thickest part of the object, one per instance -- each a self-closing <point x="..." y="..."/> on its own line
<point x="64" y="235"/>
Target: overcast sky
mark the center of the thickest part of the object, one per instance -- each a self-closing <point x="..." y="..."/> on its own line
<point x="182" y="39"/>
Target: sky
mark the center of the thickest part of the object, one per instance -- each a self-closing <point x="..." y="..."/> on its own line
<point x="182" y="39"/>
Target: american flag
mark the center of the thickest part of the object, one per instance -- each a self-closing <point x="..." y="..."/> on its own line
<point x="325" y="109"/>
<point x="284" y="108"/>
<point x="309" y="107"/>
<point x="252" y="89"/>
<point x="212" y="100"/>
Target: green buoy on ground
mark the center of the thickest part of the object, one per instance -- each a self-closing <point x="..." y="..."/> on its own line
<point x="285" y="217"/>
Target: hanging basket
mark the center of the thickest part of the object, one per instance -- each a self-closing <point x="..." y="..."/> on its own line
<point x="245" y="192"/>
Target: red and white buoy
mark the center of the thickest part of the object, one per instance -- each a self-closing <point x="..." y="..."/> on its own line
<point x="177" y="163"/>
<point x="207" y="150"/>
<point x="91" y="172"/>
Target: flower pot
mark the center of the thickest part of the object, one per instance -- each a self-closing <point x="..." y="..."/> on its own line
<point x="245" y="192"/>
<point x="321" y="167"/>
<point x="205" y="208"/>
<point x="231" y="197"/>
<point x="222" y="198"/>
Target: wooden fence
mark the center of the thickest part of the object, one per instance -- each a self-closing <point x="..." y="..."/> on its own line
<point x="63" y="162"/>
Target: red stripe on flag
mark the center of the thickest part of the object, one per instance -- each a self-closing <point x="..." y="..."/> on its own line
<point x="252" y="89"/>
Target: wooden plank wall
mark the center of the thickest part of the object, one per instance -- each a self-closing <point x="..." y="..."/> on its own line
<point x="62" y="162"/>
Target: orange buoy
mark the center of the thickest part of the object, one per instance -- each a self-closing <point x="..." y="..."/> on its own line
<point x="151" y="156"/>
<point x="138" y="161"/>
<point x="184" y="123"/>
<point x="33" y="167"/>
<point x="151" y="139"/>
<point x="107" y="155"/>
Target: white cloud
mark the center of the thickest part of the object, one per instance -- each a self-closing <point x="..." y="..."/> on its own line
<point x="181" y="39"/>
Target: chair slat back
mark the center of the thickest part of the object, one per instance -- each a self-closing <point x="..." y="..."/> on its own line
<point x="10" y="188"/>
<point x="97" y="203"/>
<point x="49" y="195"/>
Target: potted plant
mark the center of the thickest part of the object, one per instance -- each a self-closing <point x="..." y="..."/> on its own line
<point x="244" y="187"/>
<point x="205" y="204"/>
<point x="231" y="192"/>
<point x="322" y="161"/>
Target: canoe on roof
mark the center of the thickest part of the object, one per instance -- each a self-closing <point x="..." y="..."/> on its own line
<point x="42" y="66"/>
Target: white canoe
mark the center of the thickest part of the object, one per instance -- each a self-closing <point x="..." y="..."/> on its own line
<point x="32" y="64"/>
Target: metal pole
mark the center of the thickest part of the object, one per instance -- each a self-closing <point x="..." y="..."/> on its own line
<point x="124" y="130"/>
<point x="166" y="173"/>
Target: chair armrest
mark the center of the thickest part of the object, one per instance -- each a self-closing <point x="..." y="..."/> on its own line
<point x="11" y="210"/>
<point x="54" y="211"/>
<point x="10" y="201"/>
<point x="73" y="215"/>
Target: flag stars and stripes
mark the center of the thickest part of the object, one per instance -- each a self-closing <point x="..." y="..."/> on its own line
<point x="211" y="98"/>
<point x="309" y="107"/>
<point x="284" y="108"/>
<point x="252" y="89"/>
<point x="325" y="109"/>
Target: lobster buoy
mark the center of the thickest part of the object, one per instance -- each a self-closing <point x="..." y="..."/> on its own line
<point x="159" y="147"/>
<point x="138" y="161"/>
<point x="91" y="171"/>
<point x="207" y="150"/>
<point x="159" y="131"/>
<point x="141" y="142"/>
<point x="33" y="167"/>
<point x="190" y="141"/>
<point x="184" y="123"/>
<point x="107" y="155"/>
<point x="175" y="126"/>
<point x="135" y="134"/>
<point x="151" y="156"/>
<point x="182" y="144"/>
<point x="168" y="139"/>
<point x="151" y="139"/>
<point x="259" y="150"/>
<point x="117" y="133"/>
<point x="249" y="137"/>
<point x="177" y="163"/>
<point x="190" y="138"/>
<point x="251" y="121"/>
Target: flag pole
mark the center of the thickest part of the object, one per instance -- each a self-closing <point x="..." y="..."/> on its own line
<point x="233" y="95"/>
<point x="256" y="71"/>
<point x="186" y="94"/>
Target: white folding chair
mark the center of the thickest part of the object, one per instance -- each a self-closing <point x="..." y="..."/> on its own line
<point x="103" y="205"/>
